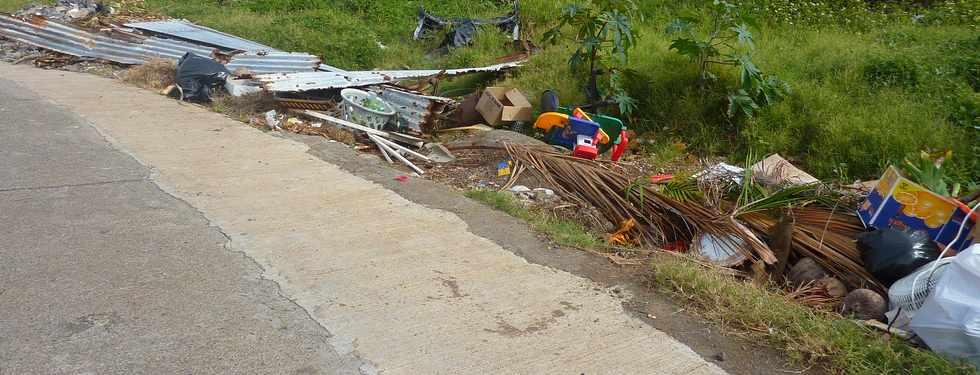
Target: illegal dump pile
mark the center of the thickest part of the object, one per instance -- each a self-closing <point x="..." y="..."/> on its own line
<point x="899" y="253"/>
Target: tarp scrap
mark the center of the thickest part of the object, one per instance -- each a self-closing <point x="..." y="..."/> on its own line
<point x="463" y="30"/>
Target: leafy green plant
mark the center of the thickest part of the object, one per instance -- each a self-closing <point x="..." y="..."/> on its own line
<point x="927" y="169"/>
<point x="727" y="41"/>
<point x="603" y="30"/>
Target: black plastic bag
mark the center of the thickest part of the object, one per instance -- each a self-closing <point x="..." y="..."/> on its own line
<point x="197" y="76"/>
<point x="891" y="254"/>
<point x="463" y="30"/>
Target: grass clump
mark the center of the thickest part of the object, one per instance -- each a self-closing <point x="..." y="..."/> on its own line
<point x="562" y="232"/>
<point x="809" y="336"/>
<point x="242" y="108"/>
<point x="156" y="74"/>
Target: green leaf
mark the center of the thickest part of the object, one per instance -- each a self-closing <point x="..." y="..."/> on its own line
<point x="749" y="74"/>
<point x="744" y="36"/>
<point x="740" y="102"/>
<point x="774" y="90"/>
<point x="687" y="47"/>
<point x="682" y="190"/>
<point x="577" y="60"/>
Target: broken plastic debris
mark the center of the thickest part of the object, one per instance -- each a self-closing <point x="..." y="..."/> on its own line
<point x="439" y="153"/>
<point x="721" y="251"/>
<point x="272" y="120"/>
<point x="722" y="171"/>
<point x="775" y="170"/>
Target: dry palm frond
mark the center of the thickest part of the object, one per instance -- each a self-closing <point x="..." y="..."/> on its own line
<point x="659" y="218"/>
<point x="814" y="295"/>
<point x="828" y="238"/>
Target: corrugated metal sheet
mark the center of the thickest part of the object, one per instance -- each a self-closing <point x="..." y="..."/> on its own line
<point x="136" y="50"/>
<point x="415" y="111"/>
<point x="296" y="82"/>
<point x="188" y="31"/>
<point x="69" y="40"/>
<point x="195" y="33"/>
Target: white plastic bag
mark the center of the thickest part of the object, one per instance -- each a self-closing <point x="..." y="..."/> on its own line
<point x="949" y="321"/>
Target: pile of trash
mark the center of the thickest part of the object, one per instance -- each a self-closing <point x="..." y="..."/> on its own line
<point x="898" y="259"/>
<point x="901" y="254"/>
<point x="64" y="10"/>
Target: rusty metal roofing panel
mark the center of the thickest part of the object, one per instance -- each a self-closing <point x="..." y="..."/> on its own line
<point x="69" y="40"/>
<point x="416" y="111"/>
<point x="195" y="33"/>
<point x="73" y="41"/>
<point x="295" y="82"/>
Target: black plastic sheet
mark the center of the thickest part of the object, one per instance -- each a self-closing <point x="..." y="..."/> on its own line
<point x="891" y="254"/>
<point x="197" y="76"/>
<point x="463" y="30"/>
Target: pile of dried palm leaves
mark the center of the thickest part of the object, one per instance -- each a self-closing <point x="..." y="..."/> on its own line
<point x="666" y="214"/>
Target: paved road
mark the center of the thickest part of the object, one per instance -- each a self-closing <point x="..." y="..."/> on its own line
<point x="103" y="272"/>
<point x="157" y="237"/>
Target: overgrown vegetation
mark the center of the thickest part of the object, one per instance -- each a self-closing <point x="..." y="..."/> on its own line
<point x="562" y="232"/>
<point x="873" y="82"/>
<point x="809" y="335"/>
<point x="727" y="41"/>
<point x="603" y="34"/>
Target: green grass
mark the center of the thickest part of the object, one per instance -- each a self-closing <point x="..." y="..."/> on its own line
<point x="12" y="5"/>
<point x="808" y="335"/>
<point x="562" y="232"/>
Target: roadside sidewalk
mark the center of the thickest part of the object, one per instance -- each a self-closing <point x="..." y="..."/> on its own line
<point x="406" y="288"/>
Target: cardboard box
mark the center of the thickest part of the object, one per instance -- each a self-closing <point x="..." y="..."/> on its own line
<point x="896" y="202"/>
<point x="500" y="105"/>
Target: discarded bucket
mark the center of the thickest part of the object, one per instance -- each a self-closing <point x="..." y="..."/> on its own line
<point x="364" y="108"/>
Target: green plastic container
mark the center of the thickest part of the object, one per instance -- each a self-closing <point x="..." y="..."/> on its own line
<point x="612" y="126"/>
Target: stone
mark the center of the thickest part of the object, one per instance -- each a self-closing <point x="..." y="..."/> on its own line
<point x="805" y="271"/>
<point x="835" y="288"/>
<point x="865" y="304"/>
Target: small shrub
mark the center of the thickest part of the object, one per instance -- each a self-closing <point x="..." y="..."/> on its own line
<point x="966" y="113"/>
<point x="881" y="72"/>
<point x="728" y="42"/>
